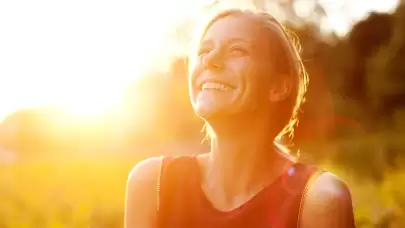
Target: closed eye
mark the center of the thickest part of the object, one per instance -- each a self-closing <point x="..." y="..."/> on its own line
<point x="238" y="51"/>
<point x="203" y="51"/>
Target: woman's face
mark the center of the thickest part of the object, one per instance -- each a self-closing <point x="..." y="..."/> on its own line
<point x="225" y="74"/>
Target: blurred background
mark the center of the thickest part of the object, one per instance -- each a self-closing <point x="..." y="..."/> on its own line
<point x="89" y="88"/>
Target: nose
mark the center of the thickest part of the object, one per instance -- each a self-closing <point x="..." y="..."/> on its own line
<point x="213" y="61"/>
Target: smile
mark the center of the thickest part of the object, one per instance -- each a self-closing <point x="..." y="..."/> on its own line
<point x="215" y="86"/>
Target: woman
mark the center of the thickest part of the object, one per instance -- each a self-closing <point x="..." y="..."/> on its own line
<point x="247" y="82"/>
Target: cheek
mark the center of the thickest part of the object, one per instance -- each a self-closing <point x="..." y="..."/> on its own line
<point x="193" y="64"/>
<point x="258" y="77"/>
<point x="254" y="90"/>
<point x="195" y="69"/>
<point x="242" y="70"/>
<point x="248" y="76"/>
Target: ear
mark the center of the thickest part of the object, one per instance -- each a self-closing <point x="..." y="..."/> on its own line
<point x="281" y="90"/>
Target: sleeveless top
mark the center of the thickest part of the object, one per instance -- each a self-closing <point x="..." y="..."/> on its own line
<point x="183" y="204"/>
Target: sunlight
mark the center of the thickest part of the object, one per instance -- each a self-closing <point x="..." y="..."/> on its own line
<point x="82" y="54"/>
<point x="79" y="55"/>
<point x="99" y="103"/>
<point x="342" y="15"/>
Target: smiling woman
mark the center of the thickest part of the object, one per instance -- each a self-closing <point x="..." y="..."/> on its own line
<point x="247" y="82"/>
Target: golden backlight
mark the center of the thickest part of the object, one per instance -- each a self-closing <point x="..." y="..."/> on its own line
<point x="81" y="55"/>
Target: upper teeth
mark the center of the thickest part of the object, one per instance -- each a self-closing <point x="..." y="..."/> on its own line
<point x="214" y="85"/>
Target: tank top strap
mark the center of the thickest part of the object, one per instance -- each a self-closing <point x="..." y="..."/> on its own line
<point x="176" y="188"/>
<point x="294" y="185"/>
<point x="312" y="173"/>
<point x="176" y="170"/>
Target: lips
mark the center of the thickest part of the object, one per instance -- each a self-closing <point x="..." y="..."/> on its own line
<point x="215" y="85"/>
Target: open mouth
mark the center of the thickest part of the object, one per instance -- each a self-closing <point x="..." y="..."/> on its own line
<point x="215" y="86"/>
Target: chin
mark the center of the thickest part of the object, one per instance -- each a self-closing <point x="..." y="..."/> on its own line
<point x="205" y="114"/>
<point x="215" y="118"/>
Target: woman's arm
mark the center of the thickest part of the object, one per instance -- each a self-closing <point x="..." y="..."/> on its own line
<point x="141" y="194"/>
<point x="328" y="204"/>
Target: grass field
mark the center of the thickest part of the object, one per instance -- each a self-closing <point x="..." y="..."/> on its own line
<point x="90" y="193"/>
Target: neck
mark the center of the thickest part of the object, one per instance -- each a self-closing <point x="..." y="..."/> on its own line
<point x="241" y="157"/>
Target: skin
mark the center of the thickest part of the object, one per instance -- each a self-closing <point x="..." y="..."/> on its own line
<point x="241" y="162"/>
<point x="141" y="195"/>
<point x="239" y="165"/>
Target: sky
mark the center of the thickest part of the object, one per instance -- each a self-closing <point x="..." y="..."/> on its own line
<point x="81" y="54"/>
<point x="342" y="14"/>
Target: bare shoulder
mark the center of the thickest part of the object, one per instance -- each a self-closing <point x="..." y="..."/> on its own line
<point x="328" y="203"/>
<point x="141" y="201"/>
<point x="329" y="186"/>
<point x="146" y="170"/>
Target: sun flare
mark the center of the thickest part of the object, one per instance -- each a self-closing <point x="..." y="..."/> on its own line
<point x="77" y="55"/>
<point x="91" y="106"/>
<point x="81" y="55"/>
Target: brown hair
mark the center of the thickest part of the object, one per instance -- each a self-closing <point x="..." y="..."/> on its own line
<point x="288" y="51"/>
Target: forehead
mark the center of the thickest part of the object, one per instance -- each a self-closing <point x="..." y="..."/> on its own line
<point x="232" y="28"/>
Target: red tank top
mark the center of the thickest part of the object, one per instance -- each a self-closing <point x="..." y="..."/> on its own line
<point x="182" y="203"/>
